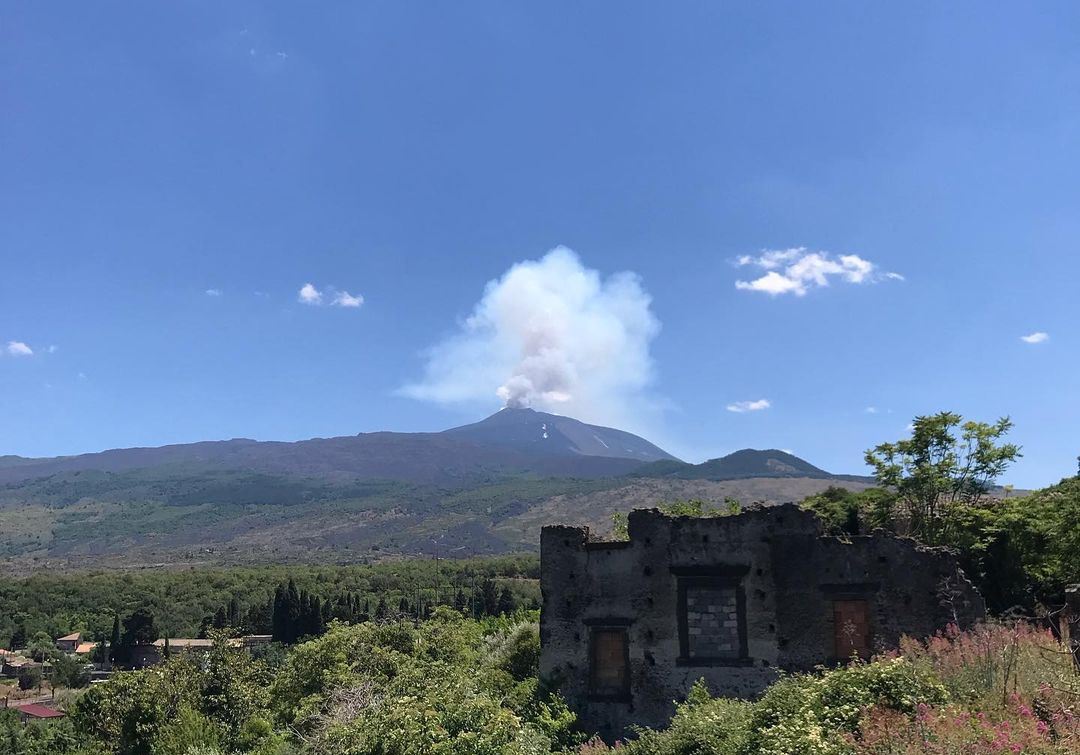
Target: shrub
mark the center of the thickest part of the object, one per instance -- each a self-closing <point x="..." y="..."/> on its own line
<point x="702" y="725"/>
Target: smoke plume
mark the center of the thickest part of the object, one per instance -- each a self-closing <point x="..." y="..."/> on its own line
<point x="550" y="334"/>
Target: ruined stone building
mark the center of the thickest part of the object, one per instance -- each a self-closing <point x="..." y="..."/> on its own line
<point x="628" y="627"/>
<point x="1072" y="622"/>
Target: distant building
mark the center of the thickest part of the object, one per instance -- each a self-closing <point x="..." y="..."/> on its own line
<point x="68" y="643"/>
<point x="628" y="627"/>
<point x="143" y="656"/>
<point x="36" y="712"/>
<point x="13" y="664"/>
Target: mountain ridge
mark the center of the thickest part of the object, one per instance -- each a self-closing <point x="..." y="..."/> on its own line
<point x="481" y="488"/>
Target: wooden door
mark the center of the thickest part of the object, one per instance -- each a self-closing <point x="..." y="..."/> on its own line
<point x="851" y="629"/>
<point x="609" y="675"/>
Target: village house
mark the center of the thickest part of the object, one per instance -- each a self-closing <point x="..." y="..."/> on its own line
<point x="628" y="627"/>
<point x="69" y="642"/>
<point x="37" y="712"/>
<point x="12" y="665"/>
<point x="143" y="656"/>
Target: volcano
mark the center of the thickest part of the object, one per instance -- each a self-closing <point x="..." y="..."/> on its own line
<point x="546" y="434"/>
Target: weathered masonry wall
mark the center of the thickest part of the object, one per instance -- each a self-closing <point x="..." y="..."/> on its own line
<point x="1072" y="621"/>
<point x="628" y="627"/>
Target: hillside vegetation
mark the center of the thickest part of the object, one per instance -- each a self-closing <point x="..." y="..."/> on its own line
<point x="457" y="686"/>
<point x="79" y="520"/>
<point x="180" y="599"/>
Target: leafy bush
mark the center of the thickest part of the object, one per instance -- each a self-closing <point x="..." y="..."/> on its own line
<point x="702" y="725"/>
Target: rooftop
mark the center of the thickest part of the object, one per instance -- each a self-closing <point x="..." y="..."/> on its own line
<point x="39" y="711"/>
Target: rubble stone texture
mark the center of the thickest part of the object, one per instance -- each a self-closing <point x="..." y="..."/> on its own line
<point x="733" y="600"/>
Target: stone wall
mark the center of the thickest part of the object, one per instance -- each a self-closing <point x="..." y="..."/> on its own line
<point x="732" y="600"/>
<point x="1072" y="621"/>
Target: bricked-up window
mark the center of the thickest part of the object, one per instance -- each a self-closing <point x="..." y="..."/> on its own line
<point x="609" y="662"/>
<point x="851" y="629"/>
<point x="712" y="619"/>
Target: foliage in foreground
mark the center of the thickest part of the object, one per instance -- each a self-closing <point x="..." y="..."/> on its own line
<point x="450" y="685"/>
<point x="996" y="689"/>
<point x="458" y="686"/>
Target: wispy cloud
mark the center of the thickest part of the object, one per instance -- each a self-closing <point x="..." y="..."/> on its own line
<point x="19" y="349"/>
<point x="871" y="410"/>
<point x="740" y="407"/>
<point x="335" y="298"/>
<point x="345" y="299"/>
<point x="1036" y="337"/>
<point x="797" y="270"/>
<point x="213" y="292"/>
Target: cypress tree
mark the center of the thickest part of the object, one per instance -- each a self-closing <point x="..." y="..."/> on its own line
<point x="114" y="639"/>
<point x="278" y="616"/>
<point x="489" y="594"/>
<point x="506" y="601"/>
<point x="292" y="612"/>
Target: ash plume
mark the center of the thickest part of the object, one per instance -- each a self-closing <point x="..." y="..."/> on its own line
<point x="550" y="334"/>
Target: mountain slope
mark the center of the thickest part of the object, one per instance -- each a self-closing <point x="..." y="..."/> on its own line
<point x="747" y="463"/>
<point x="481" y="488"/>
<point x="510" y="442"/>
<point x="553" y="435"/>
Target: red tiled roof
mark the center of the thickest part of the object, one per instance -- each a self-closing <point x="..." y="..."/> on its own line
<point x="39" y="711"/>
<point x="73" y="637"/>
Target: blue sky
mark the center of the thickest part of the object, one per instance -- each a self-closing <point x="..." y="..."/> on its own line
<point x="409" y="153"/>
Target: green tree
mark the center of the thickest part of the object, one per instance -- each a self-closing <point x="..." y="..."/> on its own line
<point x="73" y="673"/>
<point x="140" y="628"/>
<point x="185" y="734"/>
<point x="29" y="677"/>
<point x="41" y="647"/>
<point x="489" y="597"/>
<point x="945" y="465"/>
<point x="116" y="654"/>
<point x="506" y="602"/>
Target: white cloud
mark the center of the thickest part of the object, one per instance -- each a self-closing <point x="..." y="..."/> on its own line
<point x="1036" y="337"/>
<point x="345" y="299"/>
<point x="314" y="297"/>
<point x="19" y="349"/>
<point x="551" y="334"/>
<point x="797" y="270"/>
<point x="739" y="407"/>
<point x="871" y="410"/>
<point x="213" y="292"/>
<point x="310" y="295"/>
<point x="53" y="348"/>
<point x="772" y="283"/>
